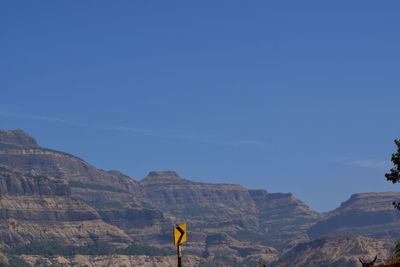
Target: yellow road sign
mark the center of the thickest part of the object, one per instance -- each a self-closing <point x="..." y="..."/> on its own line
<point x="180" y="235"/>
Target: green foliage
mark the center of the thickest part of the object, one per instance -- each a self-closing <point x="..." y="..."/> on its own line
<point x="199" y="211"/>
<point x="260" y="264"/>
<point x="141" y="249"/>
<point x="4" y="168"/>
<point x="397" y="249"/>
<point x="105" y="205"/>
<point x="96" y="187"/>
<point x="58" y="152"/>
<point x="4" y="146"/>
<point x="249" y="236"/>
<point x="37" y="177"/>
<point x="36" y="248"/>
<point x="15" y="261"/>
<point x="48" y="248"/>
<point x="394" y="175"/>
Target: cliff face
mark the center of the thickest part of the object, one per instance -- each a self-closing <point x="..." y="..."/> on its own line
<point x="51" y="195"/>
<point x="17" y="183"/>
<point x="20" y="152"/>
<point x="369" y="214"/>
<point x="36" y="207"/>
<point x="242" y="215"/>
<point x="283" y="217"/>
<point x="41" y="161"/>
<point x="184" y="198"/>
<point x="58" y="195"/>
<point x="17" y="137"/>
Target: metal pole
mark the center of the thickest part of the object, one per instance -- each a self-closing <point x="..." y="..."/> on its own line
<point x="179" y="256"/>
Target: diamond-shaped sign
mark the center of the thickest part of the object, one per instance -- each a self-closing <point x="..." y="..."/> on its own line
<point x="180" y="235"/>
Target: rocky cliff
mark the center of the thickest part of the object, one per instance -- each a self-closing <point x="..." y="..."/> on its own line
<point x="283" y="218"/>
<point x="368" y="214"/>
<point x="242" y="214"/>
<point x="36" y="207"/>
<point x="17" y="137"/>
<point x="51" y="195"/>
<point x="70" y="190"/>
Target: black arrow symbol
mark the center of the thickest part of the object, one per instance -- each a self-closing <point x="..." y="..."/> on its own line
<point x="182" y="234"/>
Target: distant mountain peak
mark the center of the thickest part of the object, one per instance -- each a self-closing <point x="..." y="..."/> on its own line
<point x="162" y="177"/>
<point x="17" y="137"/>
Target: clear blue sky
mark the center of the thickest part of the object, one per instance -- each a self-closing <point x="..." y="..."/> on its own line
<point x="288" y="96"/>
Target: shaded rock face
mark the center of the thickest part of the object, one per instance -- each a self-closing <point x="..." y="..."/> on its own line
<point x="19" y="151"/>
<point x="46" y="162"/>
<point x="172" y="193"/>
<point x="160" y="177"/>
<point x="369" y="214"/>
<point x="229" y="219"/>
<point x="85" y="181"/>
<point x="334" y="251"/>
<point x="132" y="218"/>
<point x="17" y="137"/>
<point x="16" y="183"/>
<point x="226" y="205"/>
<point x="283" y="217"/>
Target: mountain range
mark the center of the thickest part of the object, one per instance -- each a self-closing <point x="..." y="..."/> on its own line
<point x="57" y="209"/>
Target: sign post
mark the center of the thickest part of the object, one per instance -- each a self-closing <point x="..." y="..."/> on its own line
<point x="180" y="236"/>
<point x="179" y="255"/>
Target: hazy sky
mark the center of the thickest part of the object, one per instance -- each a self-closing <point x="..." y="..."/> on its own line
<point x="288" y="96"/>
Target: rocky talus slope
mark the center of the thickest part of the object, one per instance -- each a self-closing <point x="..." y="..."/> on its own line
<point x="334" y="251"/>
<point x="47" y="195"/>
<point x="111" y="260"/>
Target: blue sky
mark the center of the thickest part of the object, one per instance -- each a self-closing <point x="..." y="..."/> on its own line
<point x="288" y="96"/>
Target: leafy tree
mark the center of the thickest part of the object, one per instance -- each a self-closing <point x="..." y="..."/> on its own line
<point x="397" y="249"/>
<point x="394" y="175"/>
<point x="17" y="262"/>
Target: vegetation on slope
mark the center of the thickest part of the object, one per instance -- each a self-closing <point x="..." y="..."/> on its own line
<point x="49" y="248"/>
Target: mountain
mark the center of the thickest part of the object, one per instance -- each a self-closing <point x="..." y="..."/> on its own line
<point x="35" y="207"/>
<point x="51" y="196"/>
<point x="368" y="214"/>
